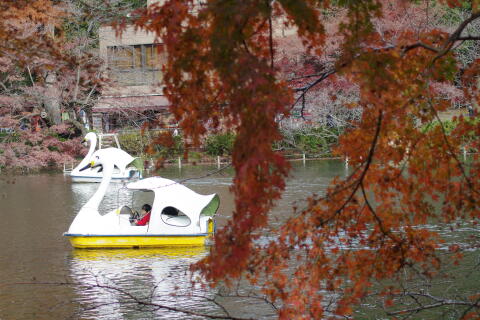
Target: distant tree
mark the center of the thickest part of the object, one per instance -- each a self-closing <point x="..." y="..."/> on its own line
<point x="314" y="102"/>
<point x="26" y="150"/>
<point x="86" y="16"/>
<point x="41" y="69"/>
<point x="43" y="78"/>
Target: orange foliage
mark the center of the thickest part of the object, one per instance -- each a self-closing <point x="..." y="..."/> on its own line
<point x="26" y="32"/>
<point x="369" y="226"/>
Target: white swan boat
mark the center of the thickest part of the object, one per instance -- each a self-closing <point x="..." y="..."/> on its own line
<point x="179" y="216"/>
<point x="126" y="166"/>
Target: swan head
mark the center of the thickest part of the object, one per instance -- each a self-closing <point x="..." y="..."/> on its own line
<point x="90" y="137"/>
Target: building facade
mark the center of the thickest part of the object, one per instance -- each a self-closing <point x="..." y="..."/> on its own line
<point x="133" y="63"/>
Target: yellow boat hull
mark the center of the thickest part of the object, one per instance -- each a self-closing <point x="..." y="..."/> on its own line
<point x="98" y="241"/>
<point x="140" y="241"/>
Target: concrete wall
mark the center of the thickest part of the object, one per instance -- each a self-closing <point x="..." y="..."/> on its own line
<point x="129" y="37"/>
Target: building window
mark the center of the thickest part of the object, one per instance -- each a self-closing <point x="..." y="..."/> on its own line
<point x="136" y="65"/>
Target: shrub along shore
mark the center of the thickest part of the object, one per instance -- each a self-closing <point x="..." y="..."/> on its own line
<point x="50" y="151"/>
<point x="305" y="143"/>
<point x="25" y="152"/>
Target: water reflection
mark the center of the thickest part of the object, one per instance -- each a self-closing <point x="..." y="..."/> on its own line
<point x="151" y="275"/>
<point x="37" y="209"/>
<point x="140" y="271"/>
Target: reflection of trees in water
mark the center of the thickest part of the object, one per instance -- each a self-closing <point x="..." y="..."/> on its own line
<point x="109" y="282"/>
<point x="448" y="294"/>
<point x="155" y="284"/>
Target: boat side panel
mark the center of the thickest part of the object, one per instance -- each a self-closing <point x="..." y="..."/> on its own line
<point x="135" y="241"/>
<point x="97" y="177"/>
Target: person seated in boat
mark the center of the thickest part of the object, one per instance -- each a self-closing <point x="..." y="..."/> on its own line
<point x="132" y="214"/>
<point x="145" y="218"/>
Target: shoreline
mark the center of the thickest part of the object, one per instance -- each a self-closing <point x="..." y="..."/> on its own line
<point x="179" y="162"/>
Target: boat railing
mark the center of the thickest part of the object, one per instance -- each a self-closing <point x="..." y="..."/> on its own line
<point x="106" y="139"/>
<point x="67" y="168"/>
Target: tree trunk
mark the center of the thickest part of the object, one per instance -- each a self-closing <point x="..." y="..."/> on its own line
<point x="78" y="125"/>
<point x="52" y="99"/>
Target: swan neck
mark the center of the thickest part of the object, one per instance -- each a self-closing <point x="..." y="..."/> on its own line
<point x="91" y="149"/>
<point x="86" y="159"/>
<point x="97" y="197"/>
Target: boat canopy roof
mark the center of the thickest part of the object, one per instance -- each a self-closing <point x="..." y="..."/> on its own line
<point x="122" y="159"/>
<point x="171" y="193"/>
<point x="119" y="157"/>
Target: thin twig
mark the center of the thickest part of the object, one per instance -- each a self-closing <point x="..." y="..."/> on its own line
<point x="140" y="302"/>
<point x="438" y="303"/>
<point x="30" y="75"/>
<point x="367" y="165"/>
<point x="77" y="84"/>
<point x="270" y="39"/>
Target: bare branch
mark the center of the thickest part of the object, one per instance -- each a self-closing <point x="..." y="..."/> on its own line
<point x="4" y="86"/>
<point x="367" y="162"/>
<point x="454" y="37"/>
<point x="77" y="83"/>
<point x="451" y="150"/>
<point x="306" y="76"/>
<point x="89" y="94"/>
<point x="30" y="75"/>
<point x="438" y="302"/>
<point x="306" y="88"/>
<point x="419" y="45"/>
<point x="465" y="38"/>
<point x="144" y="302"/>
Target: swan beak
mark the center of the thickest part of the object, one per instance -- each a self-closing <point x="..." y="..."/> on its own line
<point x="87" y="166"/>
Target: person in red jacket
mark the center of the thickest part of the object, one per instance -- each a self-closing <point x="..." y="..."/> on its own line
<point x="146" y="211"/>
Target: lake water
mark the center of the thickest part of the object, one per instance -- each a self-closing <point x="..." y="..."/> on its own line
<point x="42" y="277"/>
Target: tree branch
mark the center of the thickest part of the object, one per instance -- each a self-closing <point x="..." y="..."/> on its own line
<point x="306" y="88"/>
<point x="77" y="83"/>
<point x="30" y="75"/>
<point x="141" y="302"/>
<point x="455" y="36"/>
<point x="368" y="161"/>
<point x="270" y="40"/>
<point x="450" y="148"/>
<point x="4" y="86"/>
<point x="465" y="38"/>
<point x="357" y="183"/>
<point x="405" y="49"/>
<point x="305" y="77"/>
<point x="386" y="232"/>
<point x="89" y="94"/>
<point x="438" y="302"/>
